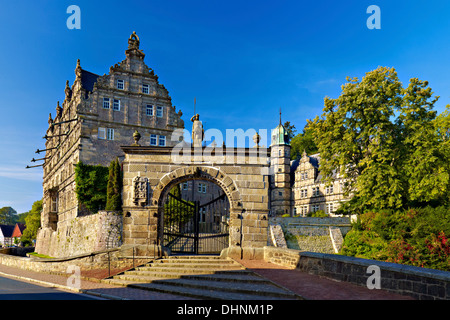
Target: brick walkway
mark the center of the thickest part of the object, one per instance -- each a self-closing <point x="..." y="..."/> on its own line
<point x="314" y="287"/>
<point x="308" y="286"/>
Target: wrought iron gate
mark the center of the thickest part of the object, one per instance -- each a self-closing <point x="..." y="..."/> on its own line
<point x="191" y="227"/>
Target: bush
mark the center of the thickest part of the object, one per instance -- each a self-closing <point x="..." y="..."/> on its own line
<point x="416" y="237"/>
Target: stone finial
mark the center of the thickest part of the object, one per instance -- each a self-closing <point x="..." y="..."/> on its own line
<point x="58" y="110"/>
<point x="136" y="137"/>
<point x="256" y="139"/>
<point x="50" y="120"/>
<point x="78" y="69"/>
<point x="68" y="91"/>
<point x="133" y="41"/>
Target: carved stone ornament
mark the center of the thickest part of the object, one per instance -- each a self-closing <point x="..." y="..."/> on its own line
<point x="140" y="190"/>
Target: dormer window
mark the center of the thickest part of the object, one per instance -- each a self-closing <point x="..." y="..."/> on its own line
<point x="145" y="89"/>
<point x="120" y="84"/>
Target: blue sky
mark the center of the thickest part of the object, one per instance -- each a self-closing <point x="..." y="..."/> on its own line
<point x="242" y="60"/>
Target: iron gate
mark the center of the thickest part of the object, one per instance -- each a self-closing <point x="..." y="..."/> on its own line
<point x="191" y="227"/>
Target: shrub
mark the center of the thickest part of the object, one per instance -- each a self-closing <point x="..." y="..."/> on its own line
<point x="416" y="236"/>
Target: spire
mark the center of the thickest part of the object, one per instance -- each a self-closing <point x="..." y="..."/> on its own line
<point x="280" y="115"/>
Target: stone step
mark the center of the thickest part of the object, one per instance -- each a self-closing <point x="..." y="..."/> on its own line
<point x="186" y="267"/>
<point x="152" y="274"/>
<point x="207" y="293"/>
<point x="203" y="277"/>
<point x="261" y="289"/>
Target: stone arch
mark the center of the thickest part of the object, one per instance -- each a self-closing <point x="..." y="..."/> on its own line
<point x="207" y="173"/>
<point x="212" y="174"/>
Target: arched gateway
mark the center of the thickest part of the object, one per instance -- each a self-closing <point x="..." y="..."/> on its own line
<point x="155" y="217"/>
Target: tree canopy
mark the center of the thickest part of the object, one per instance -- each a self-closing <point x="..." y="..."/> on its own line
<point x="386" y="141"/>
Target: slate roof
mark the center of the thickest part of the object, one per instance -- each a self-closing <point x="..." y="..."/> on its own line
<point x="88" y="79"/>
<point x="6" y="230"/>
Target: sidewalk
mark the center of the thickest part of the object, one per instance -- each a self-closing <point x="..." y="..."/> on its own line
<point x="314" y="287"/>
<point x="308" y="286"/>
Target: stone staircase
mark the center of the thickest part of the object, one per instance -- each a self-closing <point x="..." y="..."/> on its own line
<point x="202" y="277"/>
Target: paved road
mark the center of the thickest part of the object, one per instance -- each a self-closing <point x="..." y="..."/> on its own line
<point x="11" y="289"/>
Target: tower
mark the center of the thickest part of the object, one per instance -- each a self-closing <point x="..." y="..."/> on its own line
<point x="280" y="151"/>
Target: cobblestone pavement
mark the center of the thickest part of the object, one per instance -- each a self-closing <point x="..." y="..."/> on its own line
<point x="308" y="286"/>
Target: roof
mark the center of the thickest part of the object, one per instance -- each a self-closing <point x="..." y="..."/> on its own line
<point x="18" y="230"/>
<point x="88" y="79"/>
<point x="6" y="230"/>
<point x="280" y="135"/>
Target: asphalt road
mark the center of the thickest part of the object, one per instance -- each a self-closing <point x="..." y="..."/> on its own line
<point x="11" y="289"/>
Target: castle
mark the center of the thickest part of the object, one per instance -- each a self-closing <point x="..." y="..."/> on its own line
<point x="97" y="122"/>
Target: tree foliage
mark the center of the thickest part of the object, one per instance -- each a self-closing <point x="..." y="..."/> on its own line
<point x="91" y="185"/>
<point x="303" y="142"/>
<point x="114" y="187"/>
<point x="8" y="216"/>
<point x="32" y="222"/>
<point x="176" y="211"/>
<point x="386" y="141"/>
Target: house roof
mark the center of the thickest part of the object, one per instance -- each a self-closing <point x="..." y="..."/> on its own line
<point x="88" y="79"/>
<point x="18" y="230"/>
<point x="6" y="230"/>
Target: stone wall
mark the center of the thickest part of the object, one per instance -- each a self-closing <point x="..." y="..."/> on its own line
<point x="420" y="283"/>
<point x="112" y="258"/>
<point x="81" y="235"/>
<point x="314" y="234"/>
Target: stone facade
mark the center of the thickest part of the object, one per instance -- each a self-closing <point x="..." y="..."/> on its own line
<point x="310" y="193"/>
<point x="245" y="186"/>
<point x="98" y="115"/>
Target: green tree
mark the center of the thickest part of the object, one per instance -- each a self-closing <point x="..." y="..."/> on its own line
<point x="290" y="129"/>
<point x="8" y="216"/>
<point x="303" y="142"/>
<point x="382" y="139"/>
<point x="91" y="185"/>
<point x="114" y="188"/>
<point x="175" y="210"/>
<point x="32" y="222"/>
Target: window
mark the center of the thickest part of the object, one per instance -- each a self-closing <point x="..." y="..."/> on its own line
<point x="159" y="112"/>
<point x="116" y="105"/>
<point x="145" y="88"/>
<point x="329" y="189"/>
<point x="149" y="110"/>
<point x="329" y="208"/>
<point x="303" y="193"/>
<point x="105" y="103"/>
<point x="315" y="191"/>
<point x="185" y="185"/>
<point x="202" y="187"/>
<point x="120" y="84"/>
<point x="153" y="140"/>
<point x="102" y="133"/>
<point x="110" y="134"/>
<point x="54" y="204"/>
<point x="315" y="207"/>
<point x="202" y="217"/>
<point x="106" y="133"/>
<point x="162" y="141"/>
